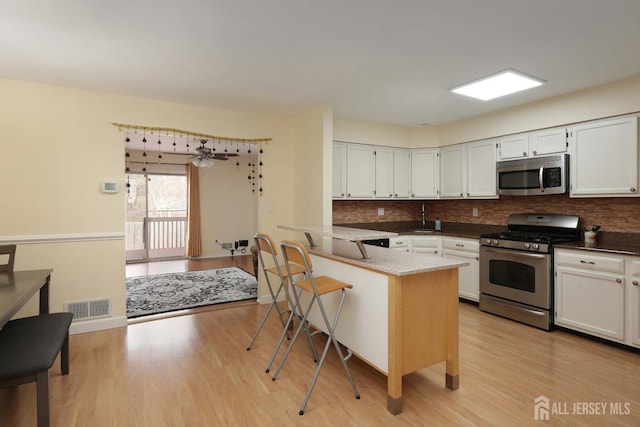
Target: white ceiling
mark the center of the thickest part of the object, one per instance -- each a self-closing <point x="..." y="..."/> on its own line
<point x="379" y="60"/>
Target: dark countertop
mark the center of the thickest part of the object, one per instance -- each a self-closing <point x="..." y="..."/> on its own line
<point x="607" y="242"/>
<point x="410" y="228"/>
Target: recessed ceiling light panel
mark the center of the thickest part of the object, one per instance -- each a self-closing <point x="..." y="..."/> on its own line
<point x="499" y="84"/>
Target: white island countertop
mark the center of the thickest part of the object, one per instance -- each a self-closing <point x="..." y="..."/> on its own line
<point x="356" y="235"/>
<point x="385" y="260"/>
<point x="342" y="233"/>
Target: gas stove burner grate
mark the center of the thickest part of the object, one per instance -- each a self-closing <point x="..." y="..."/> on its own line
<point x="533" y="237"/>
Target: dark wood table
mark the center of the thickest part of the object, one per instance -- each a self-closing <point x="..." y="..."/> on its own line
<point x="17" y="288"/>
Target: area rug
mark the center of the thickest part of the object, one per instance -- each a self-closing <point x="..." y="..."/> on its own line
<point x="161" y="293"/>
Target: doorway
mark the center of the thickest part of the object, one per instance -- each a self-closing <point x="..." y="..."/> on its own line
<point x="156" y="217"/>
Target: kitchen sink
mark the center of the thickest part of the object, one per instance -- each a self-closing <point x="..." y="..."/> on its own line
<point x="422" y="231"/>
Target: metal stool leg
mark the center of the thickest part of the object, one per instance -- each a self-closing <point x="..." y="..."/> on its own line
<point x="274" y="303"/>
<point x="330" y="339"/>
<point x="304" y="326"/>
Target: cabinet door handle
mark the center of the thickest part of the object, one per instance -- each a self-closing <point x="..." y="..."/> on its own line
<point x="535" y="152"/>
<point x="524" y="153"/>
<point x="632" y="189"/>
<point x="635" y="283"/>
<point x="618" y="280"/>
<point x="349" y="195"/>
<point x="460" y="245"/>
<point x="587" y="262"/>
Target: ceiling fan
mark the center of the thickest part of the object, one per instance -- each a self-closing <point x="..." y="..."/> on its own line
<point x="205" y="156"/>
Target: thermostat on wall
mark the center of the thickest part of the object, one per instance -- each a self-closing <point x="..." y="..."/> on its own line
<point x="109" y="187"/>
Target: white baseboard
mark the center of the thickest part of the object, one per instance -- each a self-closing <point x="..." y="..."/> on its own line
<point x="266" y="299"/>
<point x="93" y="325"/>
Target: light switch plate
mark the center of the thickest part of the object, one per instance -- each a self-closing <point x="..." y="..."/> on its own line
<point x="380" y="211"/>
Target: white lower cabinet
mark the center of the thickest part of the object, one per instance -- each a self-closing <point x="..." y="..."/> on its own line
<point x="451" y="247"/>
<point x="590" y="293"/>
<point x="400" y="243"/>
<point x="634" y="301"/>
<point x="426" y="245"/>
<point x="468" y="277"/>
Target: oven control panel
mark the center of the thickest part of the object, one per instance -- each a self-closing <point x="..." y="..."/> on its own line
<point x="515" y="244"/>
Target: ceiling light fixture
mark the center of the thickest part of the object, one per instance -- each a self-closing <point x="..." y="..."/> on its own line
<point x="499" y="84"/>
<point x="200" y="162"/>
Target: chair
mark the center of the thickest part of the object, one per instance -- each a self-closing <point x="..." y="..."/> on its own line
<point x="265" y="244"/>
<point x="11" y="251"/>
<point x="28" y="348"/>
<point x="296" y="255"/>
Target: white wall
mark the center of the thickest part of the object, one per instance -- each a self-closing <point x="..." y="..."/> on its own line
<point x="312" y="133"/>
<point x="227" y="204"/>
<point x="57" y="145"/>
<point x="602" y="101"/>
<point x="363" y="132"/>
<point x="612" y="99"/>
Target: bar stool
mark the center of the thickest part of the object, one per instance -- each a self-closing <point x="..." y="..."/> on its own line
<point x="265" y="244"/>
<point x="296" y="255"/>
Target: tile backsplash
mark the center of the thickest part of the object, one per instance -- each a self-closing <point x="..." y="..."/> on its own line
<point x="613" y="214"/>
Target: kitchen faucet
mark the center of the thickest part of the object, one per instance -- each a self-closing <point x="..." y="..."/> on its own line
<point x="424" y="224"/>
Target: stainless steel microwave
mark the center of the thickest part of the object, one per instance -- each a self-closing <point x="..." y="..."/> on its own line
<point x="533" y="176"/>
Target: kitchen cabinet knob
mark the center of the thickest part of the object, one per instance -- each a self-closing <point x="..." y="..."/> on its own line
<point x="633" y="189"/>
<point x="477" y="258"/>
<point x="635" y="283"/>
<point x="342" y="195"/>
<point x="524" y="153"/>
<point x="349" y="195"/>
<point x="391" y="195"/>
<point x="413" y="195"/>
<point x="535" y="152"/>
<point x="618" y="280"/>
<point x="460" y="194"/>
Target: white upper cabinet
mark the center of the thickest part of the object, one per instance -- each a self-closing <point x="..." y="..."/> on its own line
<point x="514" y="146"/>
<point x="453" y="161"/>
<point x="548" y="141"/>
<point x="468" y="170"/>
<point x="424" y="173"/>
<point x="401" y="173"/>
<point x="603" y="158"/>
<point x="384" y="172"/>
<point x="339" y="188"/>
<point x="361" y="171"/>
<point x="481" y="169"/>
<point x="532" y="144"/>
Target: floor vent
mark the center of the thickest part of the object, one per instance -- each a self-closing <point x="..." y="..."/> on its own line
<point x="89" y="309"/>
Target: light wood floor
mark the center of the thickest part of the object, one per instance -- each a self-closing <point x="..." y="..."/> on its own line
<point x="194" y="370"/>
<point x="177" y="266"/>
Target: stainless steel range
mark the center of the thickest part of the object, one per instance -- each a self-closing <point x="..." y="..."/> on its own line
<point x="516" y="266"/>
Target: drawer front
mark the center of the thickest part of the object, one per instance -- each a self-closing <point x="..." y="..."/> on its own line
<point x="399" y="242"/>
<point x="592" y="262"/>
<point x="425" y="242"/>
<point x="635" y="268"/>
<point x="465" y="245"/>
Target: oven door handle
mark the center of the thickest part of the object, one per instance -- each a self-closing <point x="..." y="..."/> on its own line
<point x="541" y="178"/>
<point x="515" y="253"/>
